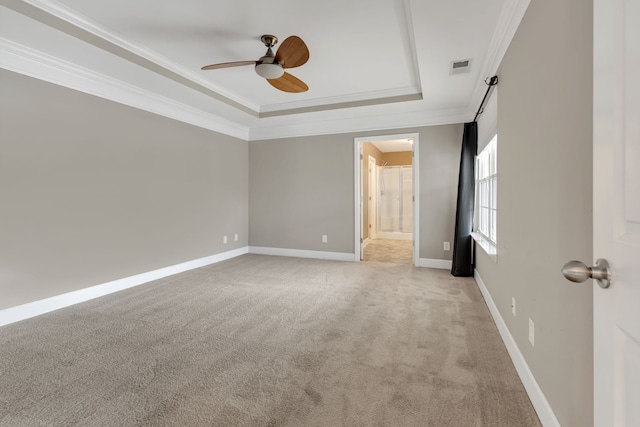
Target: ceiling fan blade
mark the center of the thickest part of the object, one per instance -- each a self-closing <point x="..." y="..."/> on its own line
<point x="228" y="65"/>
<point x="292" y="52"/>
<point x="289" y="83"/>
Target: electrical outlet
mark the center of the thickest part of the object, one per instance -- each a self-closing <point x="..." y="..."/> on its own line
<point x="532" y="332"/>
<point x="513" y="306"/>
<point x="447" y="246"/>
<point x="235" y="237"/>
<point x="224" y="240"/>
<point x="324" y="238"/>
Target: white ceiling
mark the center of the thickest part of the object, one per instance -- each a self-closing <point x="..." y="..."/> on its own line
<point x="394" y="145"/>
<point x="374" y="64"/>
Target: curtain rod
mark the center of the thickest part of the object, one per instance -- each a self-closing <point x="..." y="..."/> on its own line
<point x="491" y="81"/>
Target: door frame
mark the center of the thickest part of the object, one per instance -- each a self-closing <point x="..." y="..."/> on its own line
<point x="358" y="196"/>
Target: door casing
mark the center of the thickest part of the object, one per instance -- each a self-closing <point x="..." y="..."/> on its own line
<point x="358" y="196"/>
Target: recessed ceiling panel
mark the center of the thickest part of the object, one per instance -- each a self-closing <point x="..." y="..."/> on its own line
<point x="359" y="49"/>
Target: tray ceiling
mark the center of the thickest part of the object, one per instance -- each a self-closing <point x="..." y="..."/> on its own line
<point x="374" y="64"/>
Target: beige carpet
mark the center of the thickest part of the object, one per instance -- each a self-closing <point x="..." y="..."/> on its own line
<point x="383" y="250"/>
<point x="267" y="341"/>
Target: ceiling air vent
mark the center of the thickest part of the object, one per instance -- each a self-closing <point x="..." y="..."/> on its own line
<point x="460" y="67"/>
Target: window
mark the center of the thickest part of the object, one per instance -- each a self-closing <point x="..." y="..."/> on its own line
<point x="486" y="191"/>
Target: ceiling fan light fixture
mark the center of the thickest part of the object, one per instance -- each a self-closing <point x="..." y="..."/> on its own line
<point x="292" y="53"/>
<point x="269" y="71"/>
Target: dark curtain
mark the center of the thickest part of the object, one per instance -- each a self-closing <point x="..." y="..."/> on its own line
<point x="462" y="246"/>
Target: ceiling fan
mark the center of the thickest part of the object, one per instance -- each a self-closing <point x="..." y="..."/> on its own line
<point x="292" y="53"/>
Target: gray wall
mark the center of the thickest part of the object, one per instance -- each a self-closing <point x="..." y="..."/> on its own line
<point x="440" y="148"/>
<point x="94" y="191"/>
<point x="302" y="188"/>
<point x="545" y="202"/>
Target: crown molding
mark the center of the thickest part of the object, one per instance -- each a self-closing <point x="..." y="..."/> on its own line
<point x="356" y="97"/>
<point x="378" y="122"/>
<point x="413" y="47"/>
<point x="57" y="15"/>
<point x="25" y="60"/>
<point x="510" y="16"/>
<point x="346" y="101"/>
<point x="28" y="61"/>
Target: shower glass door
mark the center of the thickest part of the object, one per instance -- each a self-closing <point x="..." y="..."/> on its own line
<point x="395" y="202"/>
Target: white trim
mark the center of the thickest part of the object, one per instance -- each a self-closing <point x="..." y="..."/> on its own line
<point x="394" y="235"/>
<point x="36" y="308"/>
<point x="357" y="182"/>
<point x="510" y="16"/>
<point x="300" y="253"/>
<point x="415" y="162"/>
<point x="358" y="120"/>
<point x="94" y="83"/>
<point x="411" y="41"/>
<point x="30" y="62"/>
<point x="487" y="245"/>
<point x="76" y="19"/>
<point x="443" y="264"/>
<point x="537" y="397"/>
<point x="359" y="123"/>
<point x="333" y="102"/>
<point x="361" y="202"/>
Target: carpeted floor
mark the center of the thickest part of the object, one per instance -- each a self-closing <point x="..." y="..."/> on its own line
<point x="383" y="250"/>
<point x="267" y="341"/>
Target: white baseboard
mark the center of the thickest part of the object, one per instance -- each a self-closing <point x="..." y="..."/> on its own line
<point x="538" y="399"/>
<point x="299" y="253"/>
<point x="35" y="308"/>
<point x="443" y="264"/>
<point x="392" y="235"/>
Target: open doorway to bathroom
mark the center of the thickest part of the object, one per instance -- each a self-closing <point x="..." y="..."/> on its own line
<point x="386" y="202"/>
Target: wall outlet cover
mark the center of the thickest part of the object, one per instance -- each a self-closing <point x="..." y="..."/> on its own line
<point x="447" y="246"/>
<point x="324" y="238"/>
<point x="532" y="332"/>
<point x="235" y="237"/>
<point x="224" y="240"/>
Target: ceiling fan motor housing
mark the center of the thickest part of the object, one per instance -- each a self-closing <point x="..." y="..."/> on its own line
<point x="268" y="66"/>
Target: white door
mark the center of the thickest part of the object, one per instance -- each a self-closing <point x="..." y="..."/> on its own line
<point x="360" y="182"/>
<point x="390" y="200"/>
<point x="373" y="214"/>
<point x="407" y="199"/>
<point x="616" y="211"/>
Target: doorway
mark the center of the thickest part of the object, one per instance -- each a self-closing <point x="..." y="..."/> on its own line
<point x="386" y="202"/>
